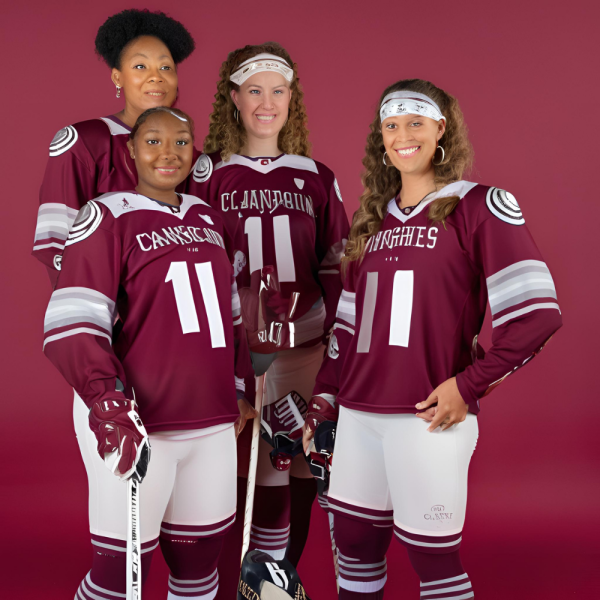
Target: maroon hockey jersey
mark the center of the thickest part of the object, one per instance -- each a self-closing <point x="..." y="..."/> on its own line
<point x="409" y="314"/>
<point x="291" y="212"/>
<point x="87" y="159"/>
<point x="168" y="273"/>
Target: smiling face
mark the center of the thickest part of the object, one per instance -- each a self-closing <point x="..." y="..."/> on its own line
<point x="410" y="142"/>
<point x="263" y="101"/>
<point x="147" y="74"/>
<point x="163" y="152"/>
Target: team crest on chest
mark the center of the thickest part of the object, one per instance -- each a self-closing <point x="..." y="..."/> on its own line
<point x="202" y="169"/>
<point x="503" y="205"/>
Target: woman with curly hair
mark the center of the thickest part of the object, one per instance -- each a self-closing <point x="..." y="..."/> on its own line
<point x="257" y="169"/>
<point x="427" y="251"/>
<point x="90" y="158"/>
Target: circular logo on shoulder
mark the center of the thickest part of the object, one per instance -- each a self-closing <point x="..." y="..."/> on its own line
<point x="87" y="221"/>
<point x="202" y="169"/>
<point x="57" y="261"/>
<point x="504" y="205"/>
<point x="337" y="190"/>
<point x="63" y="140"/>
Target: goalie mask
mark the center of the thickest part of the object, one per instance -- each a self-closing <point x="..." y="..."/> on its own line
<point x="263" y="578"/>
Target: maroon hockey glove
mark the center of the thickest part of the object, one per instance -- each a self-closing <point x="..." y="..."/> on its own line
<point x="122" y="439"/>
<point x="319" y="411"/>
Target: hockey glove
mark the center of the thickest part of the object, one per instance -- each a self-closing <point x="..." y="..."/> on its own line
<point x="122" y="439"/>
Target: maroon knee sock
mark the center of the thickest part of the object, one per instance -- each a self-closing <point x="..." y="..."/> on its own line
<point x="302" y="494"/>
<point x="271" y="520"/>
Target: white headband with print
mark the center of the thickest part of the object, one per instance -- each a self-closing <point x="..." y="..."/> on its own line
<point x="259" y="63"/>
<point x="406" y="102"/>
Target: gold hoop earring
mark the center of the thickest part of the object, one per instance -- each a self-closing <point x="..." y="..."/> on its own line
<point x="433" y="157"/>
<point x="236" y="115"/>
<point x="118" y="91"/>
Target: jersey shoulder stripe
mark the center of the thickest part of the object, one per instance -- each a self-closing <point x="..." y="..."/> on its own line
<point x="203" y="169"/>
<point x="87" y="221"/>
<point x="90" y="135"/>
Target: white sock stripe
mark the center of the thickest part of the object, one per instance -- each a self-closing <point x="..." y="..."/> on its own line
<point x="461" y="597"/>
<point x="364" y="587"/>
<point x="456" y="588"/>
<point x="364" y="573"/>
<point x="271" y="536"/>
<point x="192" y="581"/>
<point x="89" y="581"/>
<point x="430" y="544"/>
<point x="197" y="533"/>
<point x="91" y="594"/>
<point x="278" y="554"/>
<point x="449" y="580"/>
<point x="264" y="543"/>
<point x="361" y="565"/>
<point x="344" y="557"/>
<point x="209" y="596"/>
<point x="201" y="588"/>
<point x="271" y="530"/>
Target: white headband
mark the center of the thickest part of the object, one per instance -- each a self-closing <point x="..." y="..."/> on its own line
<point x="259" y="63"/>
<point x="406" y="102"/>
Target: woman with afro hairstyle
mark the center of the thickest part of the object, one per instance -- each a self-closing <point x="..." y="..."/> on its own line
<point x="257" y="169"/>
<point x="90" y="158"/>
<point x="427" y="251"/>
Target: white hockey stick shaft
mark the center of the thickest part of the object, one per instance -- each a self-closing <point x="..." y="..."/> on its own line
<point x="335" y="552"/>
<point x="260" y="389"/>
<point x="134" y="552"/>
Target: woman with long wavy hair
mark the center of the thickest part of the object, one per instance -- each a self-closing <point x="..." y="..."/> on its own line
<point x="427" y="251"/>
<point x="257" y="168"/>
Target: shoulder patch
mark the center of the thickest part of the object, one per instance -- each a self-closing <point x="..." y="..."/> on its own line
<point x="202" y="169"/>
<point x="87" y="221"/>
<point x="503" y="205"/>
<point x="63" y="140"/>
<point x="337" y="190"/>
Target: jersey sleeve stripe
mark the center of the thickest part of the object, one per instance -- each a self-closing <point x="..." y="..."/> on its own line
<point x="346" y="310"/>
<point x="519" y="283"/>
<point x="310" y="325"/>
<point x="344" y="327"/>
<point x="78" y="306"/>
<point x="524" y="311"/>
<point x="70" y="332"/>
<point x="53" y="222"/>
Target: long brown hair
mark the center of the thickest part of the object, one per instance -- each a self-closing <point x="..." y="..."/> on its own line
<point x="227" y="135"/>
<point x="382" y="183"/>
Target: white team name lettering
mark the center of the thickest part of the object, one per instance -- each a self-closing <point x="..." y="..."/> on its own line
<point x="266" y="201"/>
<point x="403" y="236"/>
<point x="180" y="235"/>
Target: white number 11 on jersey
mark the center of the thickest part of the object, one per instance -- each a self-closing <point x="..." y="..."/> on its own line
<point x="402" y="302"/>
<point x="188" y="317"/>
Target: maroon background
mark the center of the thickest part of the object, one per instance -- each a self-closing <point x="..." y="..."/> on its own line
<point x="522" y="72"/>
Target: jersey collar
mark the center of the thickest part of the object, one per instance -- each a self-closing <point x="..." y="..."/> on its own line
<point x="266" y="165"/>
<point x="458" y="188"/>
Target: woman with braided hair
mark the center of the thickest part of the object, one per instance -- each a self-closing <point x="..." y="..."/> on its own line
<point x="90" y="158"/>
<point x="256" y="169"/>
<point x="427" y="251"/>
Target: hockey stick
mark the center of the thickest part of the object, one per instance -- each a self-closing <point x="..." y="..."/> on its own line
<point x="134" y="564"/>
<point x="260" y="388"/>
<point x="335" y="552"/>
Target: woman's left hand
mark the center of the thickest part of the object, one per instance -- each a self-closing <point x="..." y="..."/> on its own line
<point x="451" y="407"/>
<point x="247" y="413"/>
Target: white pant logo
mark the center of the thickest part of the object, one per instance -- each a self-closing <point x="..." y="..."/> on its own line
<point x="279" y="577"/>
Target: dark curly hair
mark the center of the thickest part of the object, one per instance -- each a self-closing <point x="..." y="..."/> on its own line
<point x="121" y="29"/>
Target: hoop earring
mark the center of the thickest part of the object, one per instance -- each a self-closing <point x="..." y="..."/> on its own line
<point x="236" y="115"/>
<point x="384" y="155"/>
<point x="118" y="91"/>
<point x="443" y="157"/>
